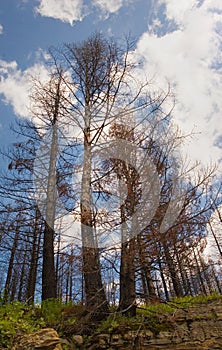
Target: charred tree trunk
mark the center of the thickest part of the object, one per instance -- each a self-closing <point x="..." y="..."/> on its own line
<point x="96" y="301"/>
<point x="199" y="274"/>
<point x="173" y="273"/>
<point x="31" y="284"/>
<point x="48" y="267"/>
<point x="127" y="303"/>
<point x="147" y="281"/>
<point x="163" y="280"/>
<point x="11" y="264"/>
<point x="22" y="275"/>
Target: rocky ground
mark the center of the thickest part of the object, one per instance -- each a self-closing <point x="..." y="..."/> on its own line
<point x="196" y="327"/>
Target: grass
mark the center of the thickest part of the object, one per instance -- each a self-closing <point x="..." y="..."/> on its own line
<point x="178" y="303"/>
<point x="154" y="316"/>
<point x="18" y="318"/>
<point x="199" y="299"/>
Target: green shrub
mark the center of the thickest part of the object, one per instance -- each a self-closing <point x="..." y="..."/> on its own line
<point x="199" y="299"/>
<point x="156" y="308"/>
<point x="51" y="311"/>
<point x="119" y="321"/>
<point x="17" y="318"/>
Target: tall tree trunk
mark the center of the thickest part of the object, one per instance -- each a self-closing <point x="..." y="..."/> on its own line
<point x="149" y="289"/>
<point x="215" y="237"/>
<point x="205" y="272"/>
<point x="67" y="284"/>
<point x="195" y="288"/>
<point x="166" y="292"/>
<point x="48" y="266"/>
<point x="150" y="284"/>
<point x="71" y="275"/>
<point x="30" y="290"/>
<point x="22" y="275"/>
<point x="127" y="303"/>
<point x="58" y="267"/>
<point x="185" y="280"/>
<point x="95" y="294"/>
<point x="11" y="264"/>
<point x="14" y="285"/>
<point x="127" y="279"/>
<point x="216" y="280"/>
<point x="199" y="273"/>
<point x="173" y="273"/>
<point x="144" y="285"/>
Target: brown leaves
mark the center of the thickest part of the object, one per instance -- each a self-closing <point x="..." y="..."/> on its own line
<point x="21" y="164"/>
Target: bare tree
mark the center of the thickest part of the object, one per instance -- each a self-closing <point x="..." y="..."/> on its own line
<point x="99" y="95"/>
<point x="93" y="97"/>
<point x="47" y="110"/>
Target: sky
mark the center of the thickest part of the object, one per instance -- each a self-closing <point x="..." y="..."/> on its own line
<point x="179" y="41"/>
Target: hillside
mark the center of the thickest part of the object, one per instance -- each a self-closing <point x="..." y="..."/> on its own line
<point x="182" y="324"/>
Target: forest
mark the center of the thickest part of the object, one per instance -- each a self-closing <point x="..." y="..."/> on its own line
<point x="98" y="205"/>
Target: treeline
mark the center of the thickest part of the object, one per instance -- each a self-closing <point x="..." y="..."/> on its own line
<point x="97" y="204"/>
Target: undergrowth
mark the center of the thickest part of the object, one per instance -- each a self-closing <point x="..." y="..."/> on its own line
<point x="199" y="299"/>
<point x="153" y="316"/>
<point x="178" y="303"/>
<point x="19" y="318"/>
<point x="15" y="319"/>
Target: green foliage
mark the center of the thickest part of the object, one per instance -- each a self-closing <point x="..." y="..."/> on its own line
<point x="177" y="303"/>
<point x="199" y="299"/>
<point x="111" y="323"/>
<point x="120" y="322"/>
<point x="155" y="308"/>
<point x="153" y="316"/>
<point x="17" y="318"/>
<point x="51" y="311"/>
<point x="155" y="326"/>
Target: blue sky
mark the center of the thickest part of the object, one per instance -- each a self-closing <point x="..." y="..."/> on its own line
<point x="27" y="34"/>
<point x="179" y="41"/>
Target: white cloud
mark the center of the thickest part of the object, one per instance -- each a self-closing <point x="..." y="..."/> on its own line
<point x="64" y="10"/>
<point x="42" y="55"/>
<point x="75" y="10"/>
<point x="1" y="29"/>
<point x="15" y="85"/>
<point x="178" y="10"/>
<point x="190" y="59"/>
<point x="7" y="66"/>
<point x="110" y="6"/>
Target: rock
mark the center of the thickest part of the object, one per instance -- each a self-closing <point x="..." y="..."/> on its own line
<point x="45" y="339"/>
<point x="77" y="339"/>
<point x="196" y="328"/>
<point x="103" y="339"/>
